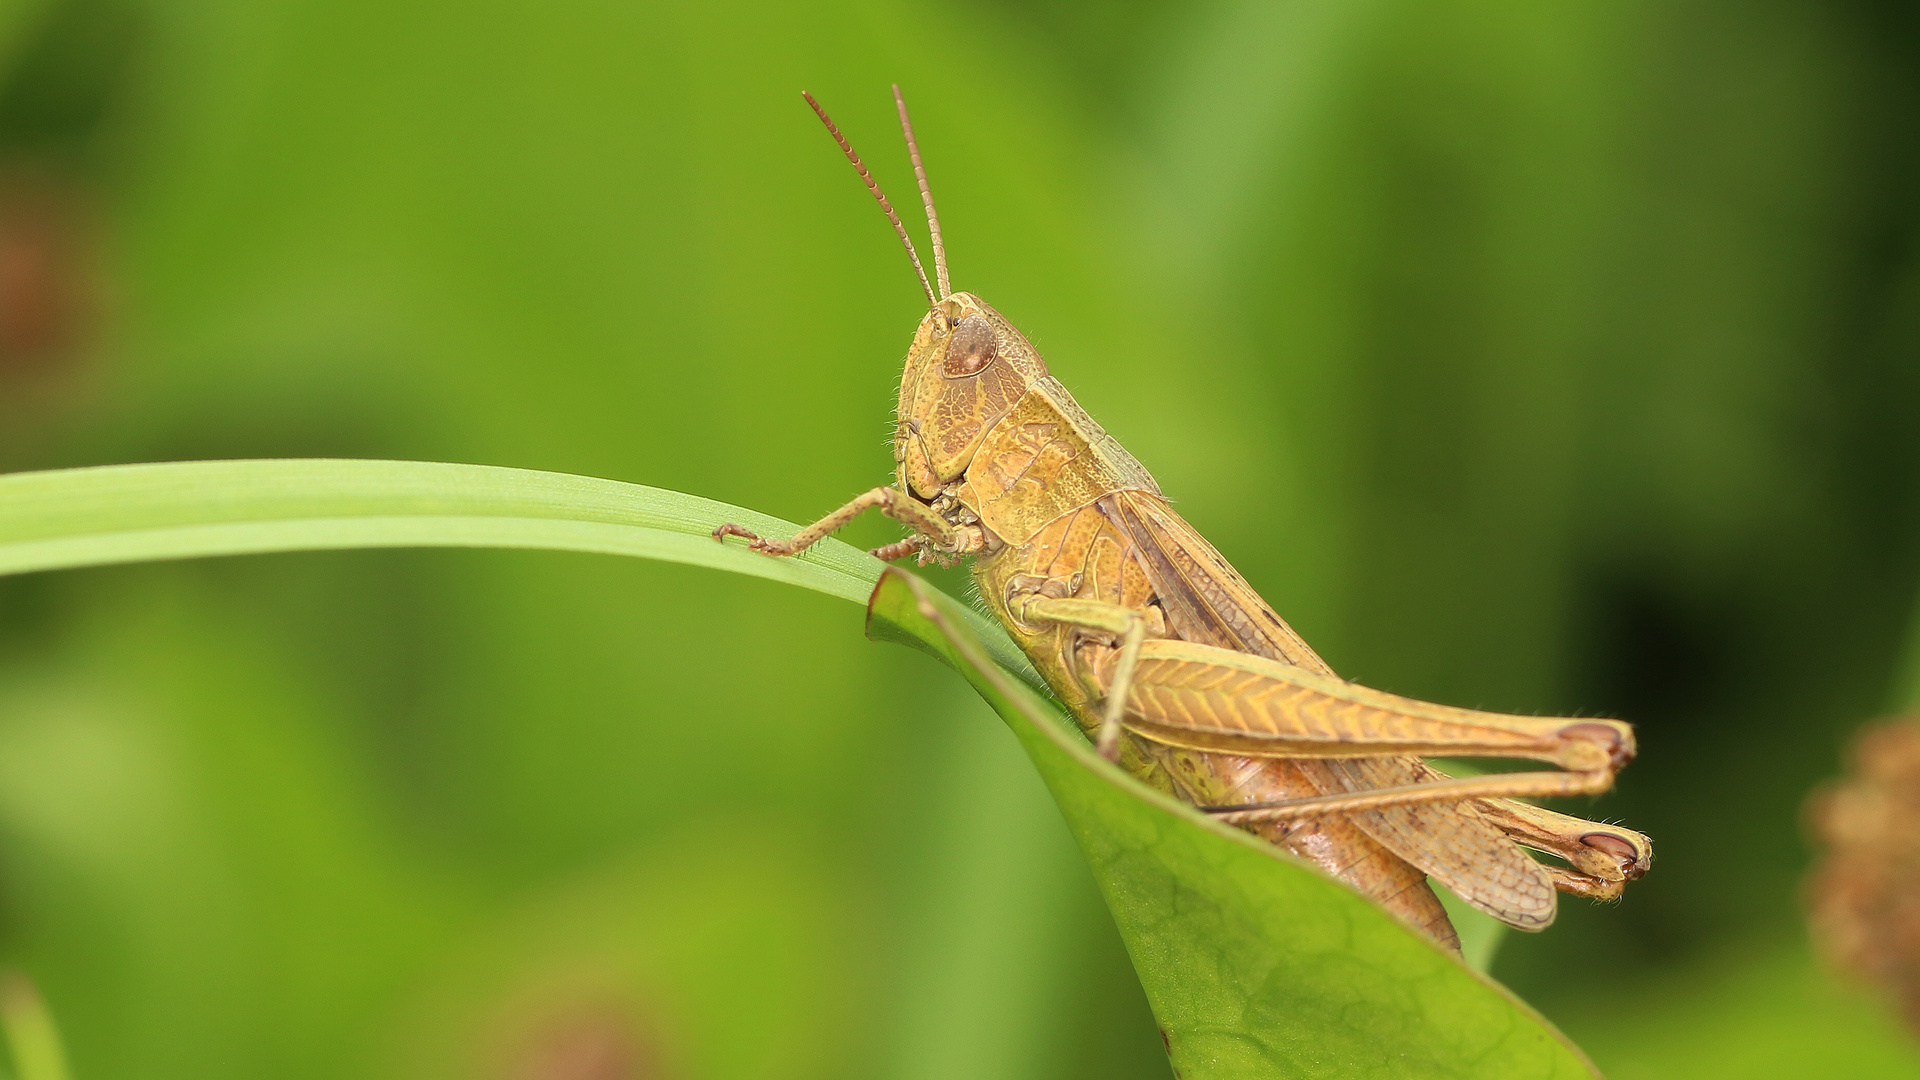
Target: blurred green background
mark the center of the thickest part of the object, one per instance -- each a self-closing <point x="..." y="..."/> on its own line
<point x="1546" y="358"/>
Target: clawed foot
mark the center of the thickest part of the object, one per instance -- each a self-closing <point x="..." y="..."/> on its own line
<point x="730" y="529"/>
<point x="755" y="542"/>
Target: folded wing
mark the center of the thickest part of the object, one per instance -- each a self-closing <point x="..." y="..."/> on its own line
<point x="1208" y="603"/>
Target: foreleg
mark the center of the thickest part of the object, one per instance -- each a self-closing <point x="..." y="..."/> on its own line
<point x="893" y="502"/>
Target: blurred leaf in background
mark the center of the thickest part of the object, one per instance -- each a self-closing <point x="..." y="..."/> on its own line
<point x="475" y="814"/>
<point x="1537" y="358"/>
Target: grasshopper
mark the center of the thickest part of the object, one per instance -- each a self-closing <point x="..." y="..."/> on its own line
<point x="1179" y="671"/>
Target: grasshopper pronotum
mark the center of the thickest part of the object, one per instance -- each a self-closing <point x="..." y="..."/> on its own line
<point x="1179" y="670"/>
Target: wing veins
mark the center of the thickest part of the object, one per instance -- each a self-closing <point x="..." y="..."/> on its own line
<point x="1453" y="843"/>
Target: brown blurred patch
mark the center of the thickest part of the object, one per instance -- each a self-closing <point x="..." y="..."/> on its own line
<point x="593" y="1044"/>
<point x="43" y="278"/>
<point x="576" y="1033"/>
<point x="1865" y="895"/>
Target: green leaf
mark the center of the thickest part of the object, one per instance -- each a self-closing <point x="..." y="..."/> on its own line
<point x="1256" y="965"/>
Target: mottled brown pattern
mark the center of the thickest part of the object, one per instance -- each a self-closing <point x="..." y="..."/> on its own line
<point x="1206" y="599"/>
<point x="1338" y="845"/>
<point x="1230" y="707"/>
<point x="1088" y="543"/>
<point x="1202" y="692"/>
<point x="962" y="411"/>
<point x="1452" y="841"/>
<point x="1020" y="481"/>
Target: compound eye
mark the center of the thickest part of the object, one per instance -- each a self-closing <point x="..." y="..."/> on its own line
<point x="971" y="348"/>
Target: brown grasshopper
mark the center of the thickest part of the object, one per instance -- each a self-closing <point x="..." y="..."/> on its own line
<point x="1180" y="671"/>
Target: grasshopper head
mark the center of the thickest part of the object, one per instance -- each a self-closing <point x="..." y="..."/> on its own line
<point x="966" y="368"/>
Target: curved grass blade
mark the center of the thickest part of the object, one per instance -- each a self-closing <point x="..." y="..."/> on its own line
<point x="67" y="518"/>
<point x="1256" y="965"/>
<point x="177" y="510"/>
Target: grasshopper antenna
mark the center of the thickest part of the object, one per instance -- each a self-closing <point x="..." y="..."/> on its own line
<point x="926" y="196"/>
<point x="873" y="186"/>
